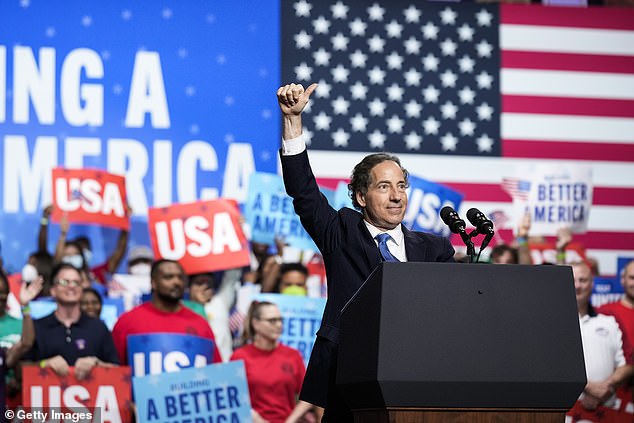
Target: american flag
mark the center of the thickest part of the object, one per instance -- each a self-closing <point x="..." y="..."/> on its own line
<point x="466" y="94"/>
<point x="517" y="188"/>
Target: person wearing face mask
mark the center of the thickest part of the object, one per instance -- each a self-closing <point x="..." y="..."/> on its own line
<point x="140" y="261"/>
<point x="78" y="251"/>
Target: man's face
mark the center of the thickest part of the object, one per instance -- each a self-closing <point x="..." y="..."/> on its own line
<point x="169" y="283"/>
<point x="67" y="287"/>
<point x="292" y="278"/>
<point x="386" y="200"/>
<point x="627" y="280"/>
<point x="583" y="283"/>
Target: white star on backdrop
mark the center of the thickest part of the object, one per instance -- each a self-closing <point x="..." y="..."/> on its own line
<point x="448" y="16"/>
<point x="376" y="44"/>
<point x="358" y="123"/>
<point x="484" y="18"/>
<point x="412" y="14"/>
<point x="357" y="27"/>
<point x="302" y="8"/>
<point x="484" y="80"/>
<point x="467" y="95"/>
<point x="430" y="62"/>
<point x="485" y="112"/>
<point x="358" y="59"/>
<point x="340" y="138"/>
<point x="394" y="29"/>
<point x="448" y="79"/>
<point x="466" y="64"/>
<point x="467" y="127"/>
<point x="376" y="12"/>
<point x="431" y="94"/>
<point x="412" y="77"/>
<point x="413" y="141"/>
<point x="448" y="47"/>
<point x="377" y="139"/>
<point x="465" y="32"/>
<point x="339" y="42"/>
<point x="340" y="74"/>
<point x="394" y="60"/>
<point x="340" y="106"/>
<point x="448" y="110"/>
<point x="358" y="91"/>
<point x="485" y="143"/>
<point x="377" y="107"/>
<point x="413" y="109"/>
<point x="394" y="92"/>
<point x="430" y="31"/>
<point x="302" y="40"/>
<point x="303" y="72"/>
<point x="431" y="125"/>
<point x="322" y="121"/>
<point x="376" y="75"/>
<point x="321" y="57"/>
<point x="449" y="142"/>
<point x="395" y="124"/>
<point x="484" y="49"/>
<point x="321" y="25"/>
<point x="339" y="10"/>
<point x="323" y="90"/>
<point x="412" y="45"/>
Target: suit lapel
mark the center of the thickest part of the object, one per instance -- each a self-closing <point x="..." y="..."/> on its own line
<point x="414" y="245"/>
<point x="372" y="255"/>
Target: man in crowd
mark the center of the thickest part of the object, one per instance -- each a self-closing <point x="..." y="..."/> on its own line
<point x="623" y="312"/>
<point x="164" y="312"/>
<point x="293" y="279"/>
<point x="352" y="243"/>
<point x="606" y="368"/>
<point x="67" y="337"/>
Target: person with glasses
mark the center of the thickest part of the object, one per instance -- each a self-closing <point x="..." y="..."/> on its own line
<point x="274" y="371"/>
<point x="68" y="337"/>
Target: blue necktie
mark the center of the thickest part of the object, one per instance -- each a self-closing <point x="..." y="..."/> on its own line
<point x="385" y="252"/>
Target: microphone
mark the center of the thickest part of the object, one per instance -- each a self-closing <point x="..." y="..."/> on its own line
<point x="451" y="219"/>
<point x="483" y="225"/>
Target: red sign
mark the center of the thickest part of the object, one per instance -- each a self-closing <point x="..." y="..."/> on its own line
<point x="547" y="253"/>
<point x="204" y="236"/>
<point x="90" y="196"/>
<point x="106" y="389"/>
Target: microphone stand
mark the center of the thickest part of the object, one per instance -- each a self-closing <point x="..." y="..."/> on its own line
<point x="466" y="238"/>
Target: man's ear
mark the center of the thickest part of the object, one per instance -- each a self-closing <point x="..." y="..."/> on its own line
<point x="360" y="199"/>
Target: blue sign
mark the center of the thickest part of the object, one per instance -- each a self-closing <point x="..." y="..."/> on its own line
<point x="177" y="96"/>
<point x="342" y="198"/>
<point x="215" y="393"/>
<point x="270" y="214"/>
<point x="426" y="198"/>
<point x="154" y="353"/>
<point x="302" y="318"/>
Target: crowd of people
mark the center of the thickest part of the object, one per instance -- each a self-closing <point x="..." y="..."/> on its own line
<point x="281" y="388"/>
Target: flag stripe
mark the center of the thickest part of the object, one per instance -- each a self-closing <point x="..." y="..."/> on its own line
<point x="567" y="106"/>
<point x="591" y="17"/>
<point x="546" y="149"/>
<point x="566" y="61"/>
<point x="557" y="83"/>
<point x="567" y="128"/>
<point x="570" y="40"/>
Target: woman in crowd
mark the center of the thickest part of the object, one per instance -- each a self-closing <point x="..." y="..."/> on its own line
<point x="91" y="302"/>
<point x="274" y="371"/>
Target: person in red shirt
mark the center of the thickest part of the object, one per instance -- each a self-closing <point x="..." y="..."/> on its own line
<point x="164" y="313"/>
<point x="623" y="312"/>
<point x="275" y="372"/>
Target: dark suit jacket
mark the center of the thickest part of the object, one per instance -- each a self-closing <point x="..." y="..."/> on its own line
<point x="350" y="254"/>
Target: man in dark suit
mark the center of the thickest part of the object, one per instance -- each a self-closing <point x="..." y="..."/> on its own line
<point x="352" y="243"/>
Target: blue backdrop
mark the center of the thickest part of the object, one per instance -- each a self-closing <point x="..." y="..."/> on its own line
<point x="178" y="95"/>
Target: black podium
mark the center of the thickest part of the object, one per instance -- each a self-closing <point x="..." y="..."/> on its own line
<point x="427" y="342"/>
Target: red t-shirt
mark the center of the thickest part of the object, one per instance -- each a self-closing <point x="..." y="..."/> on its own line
<point x="625" y="318"/>
<point x="274" y="377"/>
<point x="146" y="318"/>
